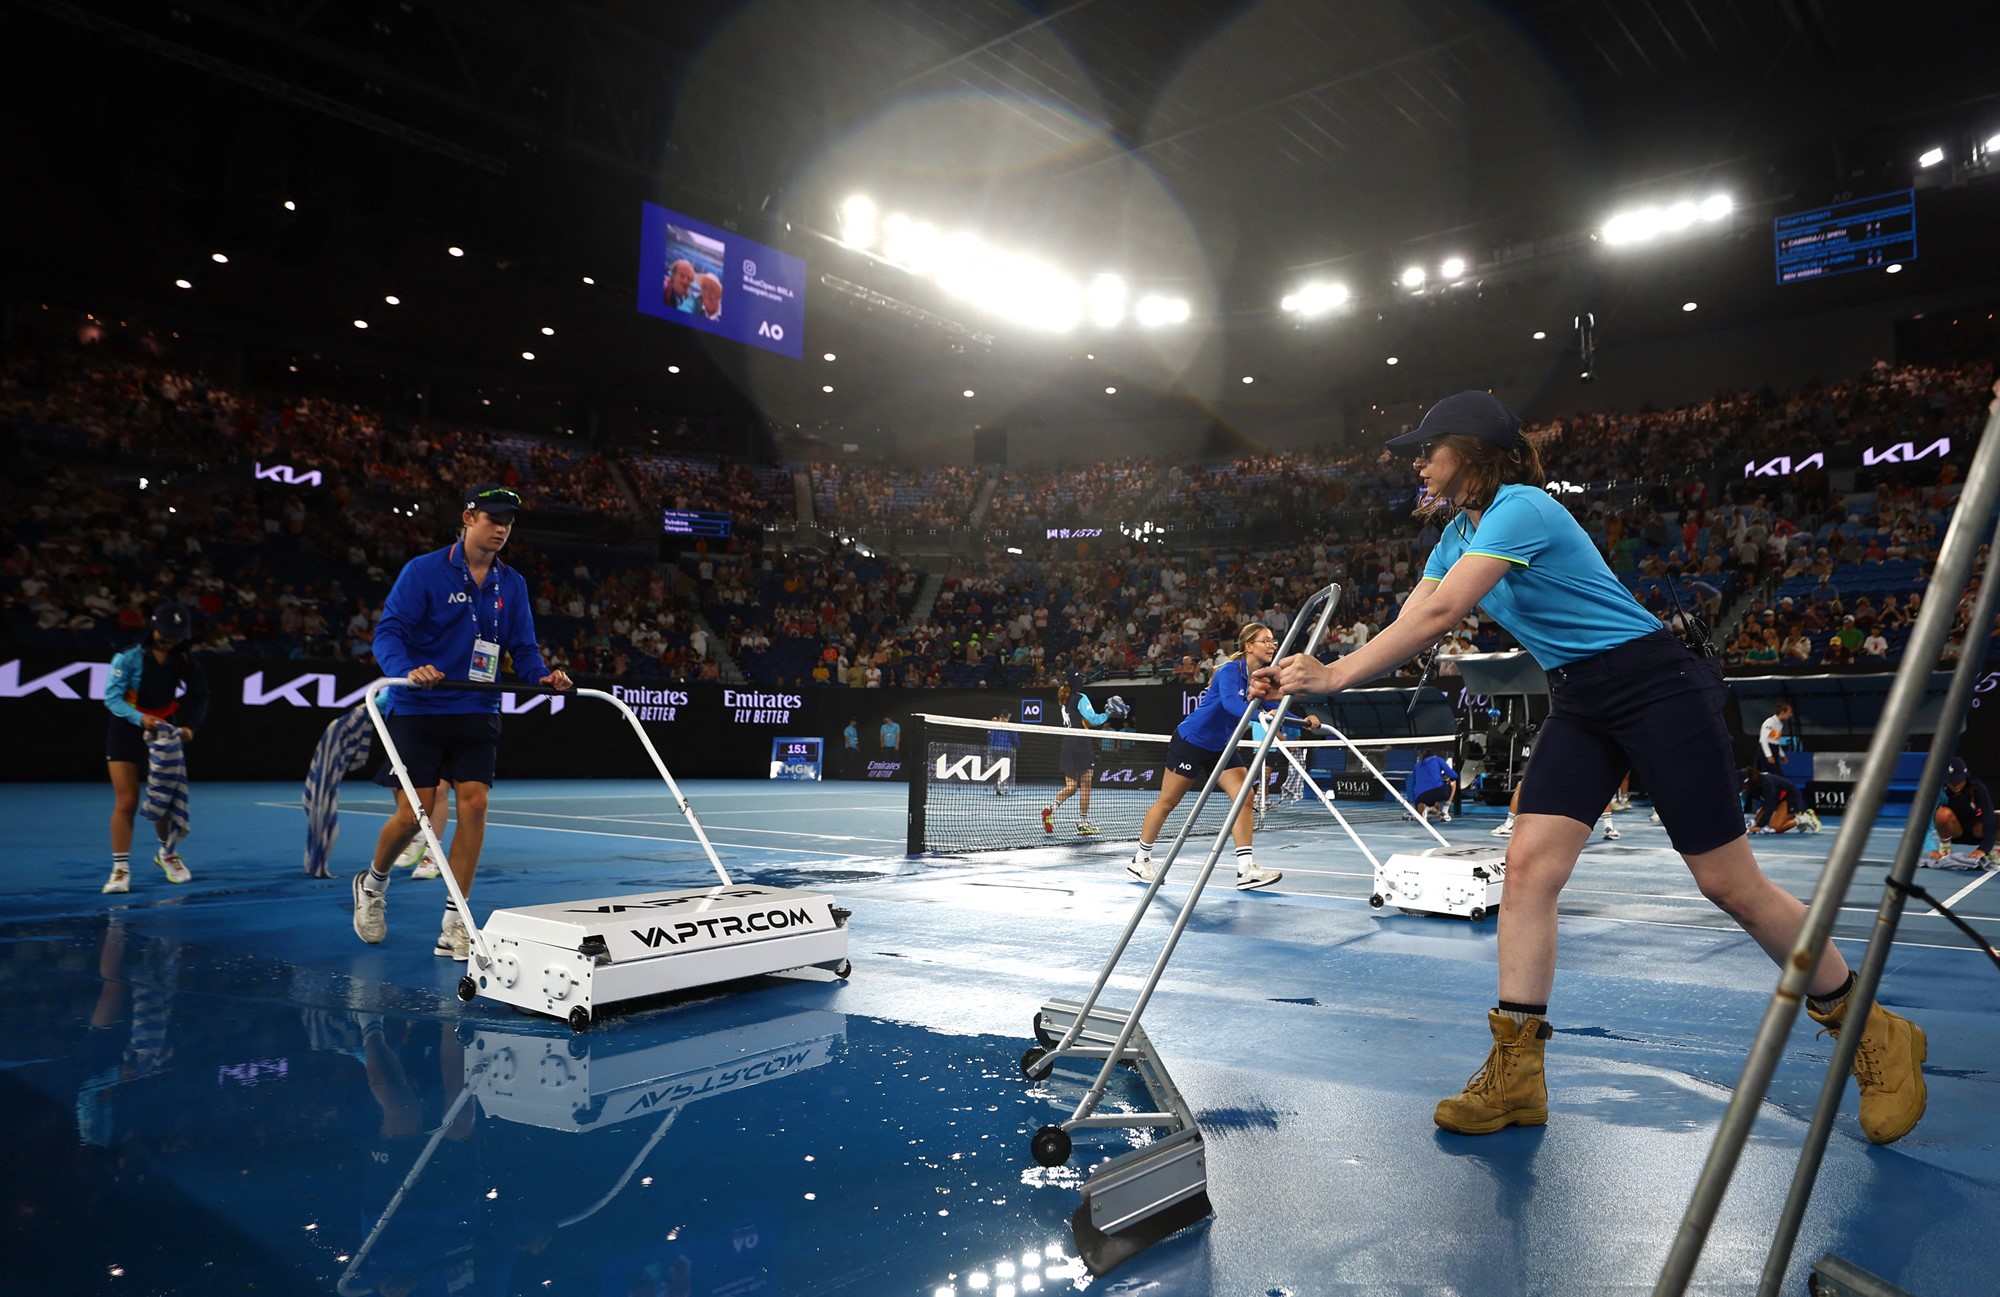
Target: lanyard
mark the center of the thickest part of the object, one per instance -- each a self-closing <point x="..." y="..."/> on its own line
<point x="473" y="591"/>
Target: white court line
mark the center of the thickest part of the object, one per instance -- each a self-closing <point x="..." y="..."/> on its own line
<point x="1961" y="894"/>
<point x="592" y="833"/>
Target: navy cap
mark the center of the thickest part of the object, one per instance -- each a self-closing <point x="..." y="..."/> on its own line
<point x="1464" y="414"/>
<point x="491" y="497"/>
<point x="173" y="622"/>
<point x="1956" y="771"/>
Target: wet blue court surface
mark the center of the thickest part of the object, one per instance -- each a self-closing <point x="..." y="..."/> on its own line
<point x="216" y="1088"/>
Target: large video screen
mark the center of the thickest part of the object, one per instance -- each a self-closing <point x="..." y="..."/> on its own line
<point x="1847" y="236"/>
<point x="709" y="279"/>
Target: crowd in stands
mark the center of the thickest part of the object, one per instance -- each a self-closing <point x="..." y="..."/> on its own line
<point x="1796" y="570"/>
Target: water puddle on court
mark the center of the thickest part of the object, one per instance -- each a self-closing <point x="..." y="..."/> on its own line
<point x="177" y="1135"/>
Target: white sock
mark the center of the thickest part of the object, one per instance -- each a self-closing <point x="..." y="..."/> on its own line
<point x="121" y="862"/>
<point x="1244" y="864"/>
<point x="1145" y="848"/>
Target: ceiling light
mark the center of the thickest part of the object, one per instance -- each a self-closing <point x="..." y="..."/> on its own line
<point x="1111" y="391"/>
<point x="291" y="206"/>
<point x="527" y="355"/>
<point x="1716" y="206"/>
<point x="456" y="252"/>
<point x="218" y="258"/>
<point x="361" y="324"/>
<point x="1413" y="277"/>
<point x="966" y="392"/>
<point x="393" y="300"/>
<point x="827" y="387"/>
<point x="1315" y="299"/>
<point x="1453" y="267"/>
<point x="588" y="280"/>
<point x="1156" y="310"/>
<point x="857" y="222"/>
<point x="1894" y="268"/>
<point x="1249" y="378"/>
<point x="547" y="332"/>
<point x="1635" y="226"/>
<point x="1106" y="300"/>
<point x="827" y="356"/>
<point x="1539" y="335"/>
<point x="182" y="283"/>
<point x="673" y="369"/>
<point x="1688" y="306"/>
<point x="1392" y="360"/>
<point x="1930" y="157"/>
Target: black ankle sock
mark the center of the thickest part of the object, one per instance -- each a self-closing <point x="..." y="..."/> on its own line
<point x="1520" y="1013"/>
<point x="1828" y="1003"/>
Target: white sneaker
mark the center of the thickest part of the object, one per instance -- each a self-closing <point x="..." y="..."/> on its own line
<point x="454" y="941"/>
<point x="1654" y="818"/>
<point x="412" y="853"/>
<point x="427" y="867"/>
<point x="176" y="868"/>
<point x="1611" y="833"/>
<point x="1446" y="812"/>
<point x="1505" y="830"/>
<point x="1621" y="803"/>
<point x="371" y="912"/>
<point x="1248" y="880"/>
<point x="1086" y="828"/>
<point x="1143" y="868"/>
<point x="120" y="881"/>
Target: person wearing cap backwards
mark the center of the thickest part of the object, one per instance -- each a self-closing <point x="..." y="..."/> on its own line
<point x="152" y="683"/>
<point x="1965" y="814"/>
<point x="1076" y="758"/>
<point x="1625" y="694"/>
<point x="451" y="615"/>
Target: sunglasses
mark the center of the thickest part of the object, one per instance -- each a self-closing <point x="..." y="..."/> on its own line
<point x="504" y="499"/>
<point x="1423" y="450"/>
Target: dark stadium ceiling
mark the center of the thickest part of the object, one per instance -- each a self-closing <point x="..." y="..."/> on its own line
<point x="1223" y="151"/>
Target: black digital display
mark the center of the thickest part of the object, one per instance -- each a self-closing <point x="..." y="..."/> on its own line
<point x="694" y="522"/>
<point x="1841" y="238"/>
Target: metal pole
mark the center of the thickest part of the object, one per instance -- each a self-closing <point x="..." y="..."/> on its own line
<point x="1975" y="506"/>
<point x="1970" y="666"/>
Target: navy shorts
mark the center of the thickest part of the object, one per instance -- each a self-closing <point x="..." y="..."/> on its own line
<point x="457" y="747"/>
<point x="1077" y="757"/>
<point x="125" y="741"/>
<point x="1435" y="797"/>
<point x="1649" y="706"/>
<point x="1191" y="762"/>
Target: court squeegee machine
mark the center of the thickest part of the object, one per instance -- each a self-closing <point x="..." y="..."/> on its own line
<point x="568" y="959"/>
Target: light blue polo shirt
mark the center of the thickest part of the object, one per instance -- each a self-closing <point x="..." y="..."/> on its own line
<point x="1558" y="598"/>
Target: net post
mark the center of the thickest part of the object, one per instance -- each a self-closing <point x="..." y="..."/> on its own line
<point x="919" y="746"/>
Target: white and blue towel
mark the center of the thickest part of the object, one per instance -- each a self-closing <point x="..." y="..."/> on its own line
<point x="345" y="747"/>
<point x="167" y="784"/>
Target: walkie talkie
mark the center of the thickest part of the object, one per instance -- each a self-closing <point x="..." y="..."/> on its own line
<point x="1694" y="630"/>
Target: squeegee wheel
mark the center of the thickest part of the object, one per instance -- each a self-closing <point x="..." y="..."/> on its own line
<point x="1375" y="901"/>
<point x="843" y="969"/>
<point x="1478" y="913"/>
<point x="579" y="1019"/>
<point x="1051" y="1146"/>
<point x="467" y="988"/>
<point x="1031" y="1062"/>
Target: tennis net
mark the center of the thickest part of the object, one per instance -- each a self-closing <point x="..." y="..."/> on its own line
<point x="983" y="785"/>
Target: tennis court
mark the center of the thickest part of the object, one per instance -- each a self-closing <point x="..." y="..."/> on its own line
<point x="216" y="1086"/>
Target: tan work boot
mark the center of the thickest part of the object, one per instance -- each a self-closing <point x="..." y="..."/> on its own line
<point x="1889" y="1069"/>
<point x="1509" y="1090"/>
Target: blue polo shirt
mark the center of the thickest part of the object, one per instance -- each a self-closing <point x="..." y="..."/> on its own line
<point x="1558" y="597"/>
<point x="1209" y="725"/>
<point x="432" y="615"/>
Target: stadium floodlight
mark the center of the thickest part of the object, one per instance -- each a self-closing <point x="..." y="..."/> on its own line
<point x="1992" y="145"/>
<point x="182" y="283"/>
<point x="1930" y="157"/>
<point x="218" y="258"/>
<point x="547" y="332"/>
<point x="1540" y="334"/>
<point x="1154" y="310"/>
<point x="857" y="222"/>
<point x="527" y="355"/>
<point x="1106" y="299"/>
<point x="1453" y="267"/>
<point x="1315" y="299"/>
<point x="393" y="300"/>
<point x="1635" y="226"/>
<point x="455" y="251"/>
<point x="1413" y="278"/>
<point x="1716" y="206"/>
<point x="1680" y="215"/>
<point x="361" y="324"/>
<point x="1689" y="306"/>
<point x="588" y="280"/>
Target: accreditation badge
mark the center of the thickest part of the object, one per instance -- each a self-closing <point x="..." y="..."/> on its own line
<point x="485" y="661"/>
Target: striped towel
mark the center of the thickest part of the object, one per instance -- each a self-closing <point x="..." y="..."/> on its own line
<point x="167" y="784"/>
<point x="345" y="747"/>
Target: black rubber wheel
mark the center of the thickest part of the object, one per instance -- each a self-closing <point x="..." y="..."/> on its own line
<point x="467" y="988"/>
<point x="1375" y="901"/>
<point x="843" y="969"/>
<point x="579" y="1019"/>
<point x="1043" y="1035"/>
<point x="1051" y="1146"/>
<point x="1478" y="913"/>
<point x="1032" y="1061"/>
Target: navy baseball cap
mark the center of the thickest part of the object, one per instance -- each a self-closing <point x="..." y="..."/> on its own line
<point x="493" y="498"/>
<point x="173" y="622"/>
<point x="1956" y="771"/>
<point x="1464" y="414"/>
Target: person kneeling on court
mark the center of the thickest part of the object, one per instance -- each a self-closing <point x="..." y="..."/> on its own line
<point x="1625" y="694"/>
<point x="451" y="615"/>
<point x="1965" y="814"/>
<point x="1197" y="747"/>
<point x="1433" y="784"/>
<point x="1781" y="805"/>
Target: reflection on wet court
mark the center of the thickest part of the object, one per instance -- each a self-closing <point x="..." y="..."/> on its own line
<point x="216" y="1088"/>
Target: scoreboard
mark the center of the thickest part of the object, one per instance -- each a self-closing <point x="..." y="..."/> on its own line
<point x="1841" y="238"/>
<point x="695" y="522"/>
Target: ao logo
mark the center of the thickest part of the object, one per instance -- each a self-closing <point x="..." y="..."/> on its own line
<point x="766" y="329"/>
<point x="749" y="268"/>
